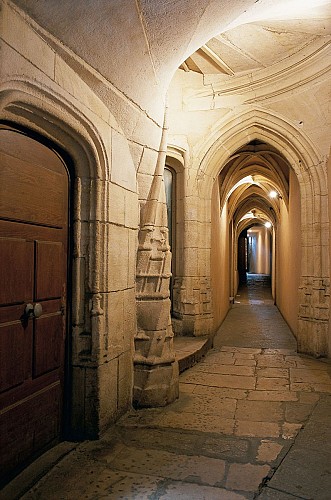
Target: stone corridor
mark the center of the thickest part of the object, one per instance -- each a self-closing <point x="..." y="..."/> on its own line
<point x="252" y="421"/>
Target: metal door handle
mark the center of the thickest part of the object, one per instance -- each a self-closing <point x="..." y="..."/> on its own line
<point x="28" y="311"/>
<point x="37" y="310"/>
<point x="31" y="311"/>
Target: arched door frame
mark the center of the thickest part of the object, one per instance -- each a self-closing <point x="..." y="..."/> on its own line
<point x="44" y="112"/>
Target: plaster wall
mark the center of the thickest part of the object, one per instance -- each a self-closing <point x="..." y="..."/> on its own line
<point x="288" y="255"/>
<point x="220" y="259"/>
<point x="260" y="251"/>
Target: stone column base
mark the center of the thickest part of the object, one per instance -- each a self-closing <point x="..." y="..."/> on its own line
<point x="312" y="337"/>
<point x="193" y="326"/>
<point x="156" y="385"/>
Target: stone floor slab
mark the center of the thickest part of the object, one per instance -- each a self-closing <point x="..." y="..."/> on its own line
<point x="268" y="451"/>
<point x="221" y="392"/>
<point x="273" y="372"/>
<point x="229" y="448"/>
<point x="271" y="384"/>
<point x="256" y="429"/>
<point x="297" y="412"/>
<point x="313" y="376"/>
<point x="246" y="477"/>
<point x="305" y="478"/>
<point x="229" y="381"/>
<point x="271" y="494"/>
<point x="196" y="422"/>
<point x="277" y="395"/>
<point x="204" y="404"/>
<point x="198" y="469"/>
<point x="260" y="411"/>
<point x="226" y="369"/>
<point x="185" y="491"/>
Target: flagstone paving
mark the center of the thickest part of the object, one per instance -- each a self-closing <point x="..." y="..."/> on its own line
<point x="252" y="421"/>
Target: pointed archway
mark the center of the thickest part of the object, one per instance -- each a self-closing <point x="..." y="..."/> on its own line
<point x="306" y="167"/>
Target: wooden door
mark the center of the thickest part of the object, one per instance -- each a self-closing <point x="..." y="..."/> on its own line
<point x="33" y="273"/>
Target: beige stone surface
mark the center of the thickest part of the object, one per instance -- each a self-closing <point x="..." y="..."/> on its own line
<point x="187" y="491"/>
<point x="207" y="405"/>
<point x="256" y="428"/>
<point x="229" y="381"/>
<point x="268" y="451"/>
<point x="272" y="372"/>
<point x="221" y="392"/>
<point x="299" y="375"/>
<point x="200" y="422"/>
<point x="226" y="369"/>
<point x="246" y="477"/>
<point x="271" y="384"/>
<point x="290" y="430"/>
<point x="277" y="395"/>
<point x="264" y="411"/>
<point x="170" y="465"/>
<point x="276" y="361"/>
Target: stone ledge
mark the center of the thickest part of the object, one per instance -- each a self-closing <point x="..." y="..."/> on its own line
<point x="190" y="350"/>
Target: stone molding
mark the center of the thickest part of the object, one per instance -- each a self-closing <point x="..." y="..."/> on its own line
<point x="286" y="76"/>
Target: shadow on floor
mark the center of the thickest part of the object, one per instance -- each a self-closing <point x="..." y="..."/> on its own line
<point x="252" y="421"/>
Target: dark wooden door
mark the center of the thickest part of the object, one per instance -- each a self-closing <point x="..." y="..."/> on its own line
<point x="33" y="273"/>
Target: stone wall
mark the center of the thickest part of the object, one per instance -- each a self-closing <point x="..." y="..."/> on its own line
<point x="42" y="92"/>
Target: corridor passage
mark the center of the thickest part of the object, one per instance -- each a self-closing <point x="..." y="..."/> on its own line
<point x="252" y="421"/>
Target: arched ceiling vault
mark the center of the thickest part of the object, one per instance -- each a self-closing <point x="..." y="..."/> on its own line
<point x="247" y="180"/>
<point x="137" y="46"/>
<point x="254" y="210"/>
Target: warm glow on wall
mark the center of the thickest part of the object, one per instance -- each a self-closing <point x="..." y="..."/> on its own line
<point x="286" y="10"/>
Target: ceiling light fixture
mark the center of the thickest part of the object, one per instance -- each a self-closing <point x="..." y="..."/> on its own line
<point x="273" y="194"/>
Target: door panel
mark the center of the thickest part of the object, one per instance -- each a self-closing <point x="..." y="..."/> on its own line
<point x="17" y="255"/>
<point x="22" y="202"/>
<point x="33" y="270"/>
<point x="50" y="270"/>
<point x="16" y="368"/>
<point x="34" y="421"/>
<point x="47" y="344"/>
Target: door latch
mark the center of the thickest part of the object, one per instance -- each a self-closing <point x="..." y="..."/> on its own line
<point x="33" y="311"/>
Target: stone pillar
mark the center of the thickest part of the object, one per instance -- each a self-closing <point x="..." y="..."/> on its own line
<point x="155" y="367"/>
<point x="192" y="290"/>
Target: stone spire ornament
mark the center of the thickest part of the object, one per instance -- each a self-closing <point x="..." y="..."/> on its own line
<point x="155" y="367"/>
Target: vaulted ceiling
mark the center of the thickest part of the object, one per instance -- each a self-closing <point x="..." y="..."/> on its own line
<point x="137" y="45"/>
<point x="257" y="45"/>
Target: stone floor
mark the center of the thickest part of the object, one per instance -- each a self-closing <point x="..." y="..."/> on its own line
<point x="252" y="421"/>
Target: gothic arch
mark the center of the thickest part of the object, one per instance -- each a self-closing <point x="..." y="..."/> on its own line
<point x="42" y="110"/>
<point x="309" y="167"/>
<point x="239" y="129"/>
